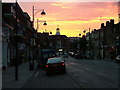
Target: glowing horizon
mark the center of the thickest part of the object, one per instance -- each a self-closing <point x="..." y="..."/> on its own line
<point x="72" y="17"/>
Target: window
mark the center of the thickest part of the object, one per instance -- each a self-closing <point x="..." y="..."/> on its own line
<point x="54" y="60"/>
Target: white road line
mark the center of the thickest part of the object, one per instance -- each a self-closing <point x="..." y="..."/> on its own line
<point x="36" y="74"/>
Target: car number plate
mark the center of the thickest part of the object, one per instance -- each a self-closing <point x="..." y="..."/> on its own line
<point x="55" y="65"/>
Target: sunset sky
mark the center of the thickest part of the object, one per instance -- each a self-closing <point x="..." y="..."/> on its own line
<point x="72" y="17"/>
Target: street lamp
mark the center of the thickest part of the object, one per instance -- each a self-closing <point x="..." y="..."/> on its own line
<point x="50" y="32"/>
<point x="38" y="10"/>
<point x="79" y="42"/>
<point x="34" y="13"/>
<point x="79" y="34"/>
<point x="40" y="21"/>
<point x="84" y="32"/>
<point x="45" y="23"/>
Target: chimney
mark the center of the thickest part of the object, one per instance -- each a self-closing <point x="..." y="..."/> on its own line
<point x="102" y="25"/>
<point x="112" y="21"/>
<point x="107" y="23"/>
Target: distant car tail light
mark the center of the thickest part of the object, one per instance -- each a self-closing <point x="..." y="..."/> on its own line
<point x="46" y="66"/>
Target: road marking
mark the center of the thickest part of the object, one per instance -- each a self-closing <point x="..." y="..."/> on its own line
<point x="36" y="74"/>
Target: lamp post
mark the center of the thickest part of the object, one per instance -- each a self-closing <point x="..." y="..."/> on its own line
<point x="38" y="10"/>
<point x="34" y="13"/>
<point x="16" y="43"/>
<point x="84" y="32"/>
<point x="40" y="21"/>
<point x="79" y="42"/>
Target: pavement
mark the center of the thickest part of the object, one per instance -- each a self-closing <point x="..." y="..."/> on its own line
<point x="8" y="76"/>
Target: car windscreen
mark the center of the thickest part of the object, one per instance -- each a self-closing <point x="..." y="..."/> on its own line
<point x="54" y="60"/>
<point x="52" y="55"/>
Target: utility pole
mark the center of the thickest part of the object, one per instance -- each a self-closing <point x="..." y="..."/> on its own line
<point x="16" y="43"/>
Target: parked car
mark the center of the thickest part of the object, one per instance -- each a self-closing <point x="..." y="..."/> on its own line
<point x="56" y="64"/>
<point x="65" y="55"/>
<point x="117" y="59"/>
<point x="78" y="56"/>
<point x="71" y="53"/>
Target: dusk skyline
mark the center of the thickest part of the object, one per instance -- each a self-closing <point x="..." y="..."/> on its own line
<point x="72" y="17"/>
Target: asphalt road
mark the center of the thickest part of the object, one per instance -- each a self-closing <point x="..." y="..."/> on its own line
<point x="80" y="74"/>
